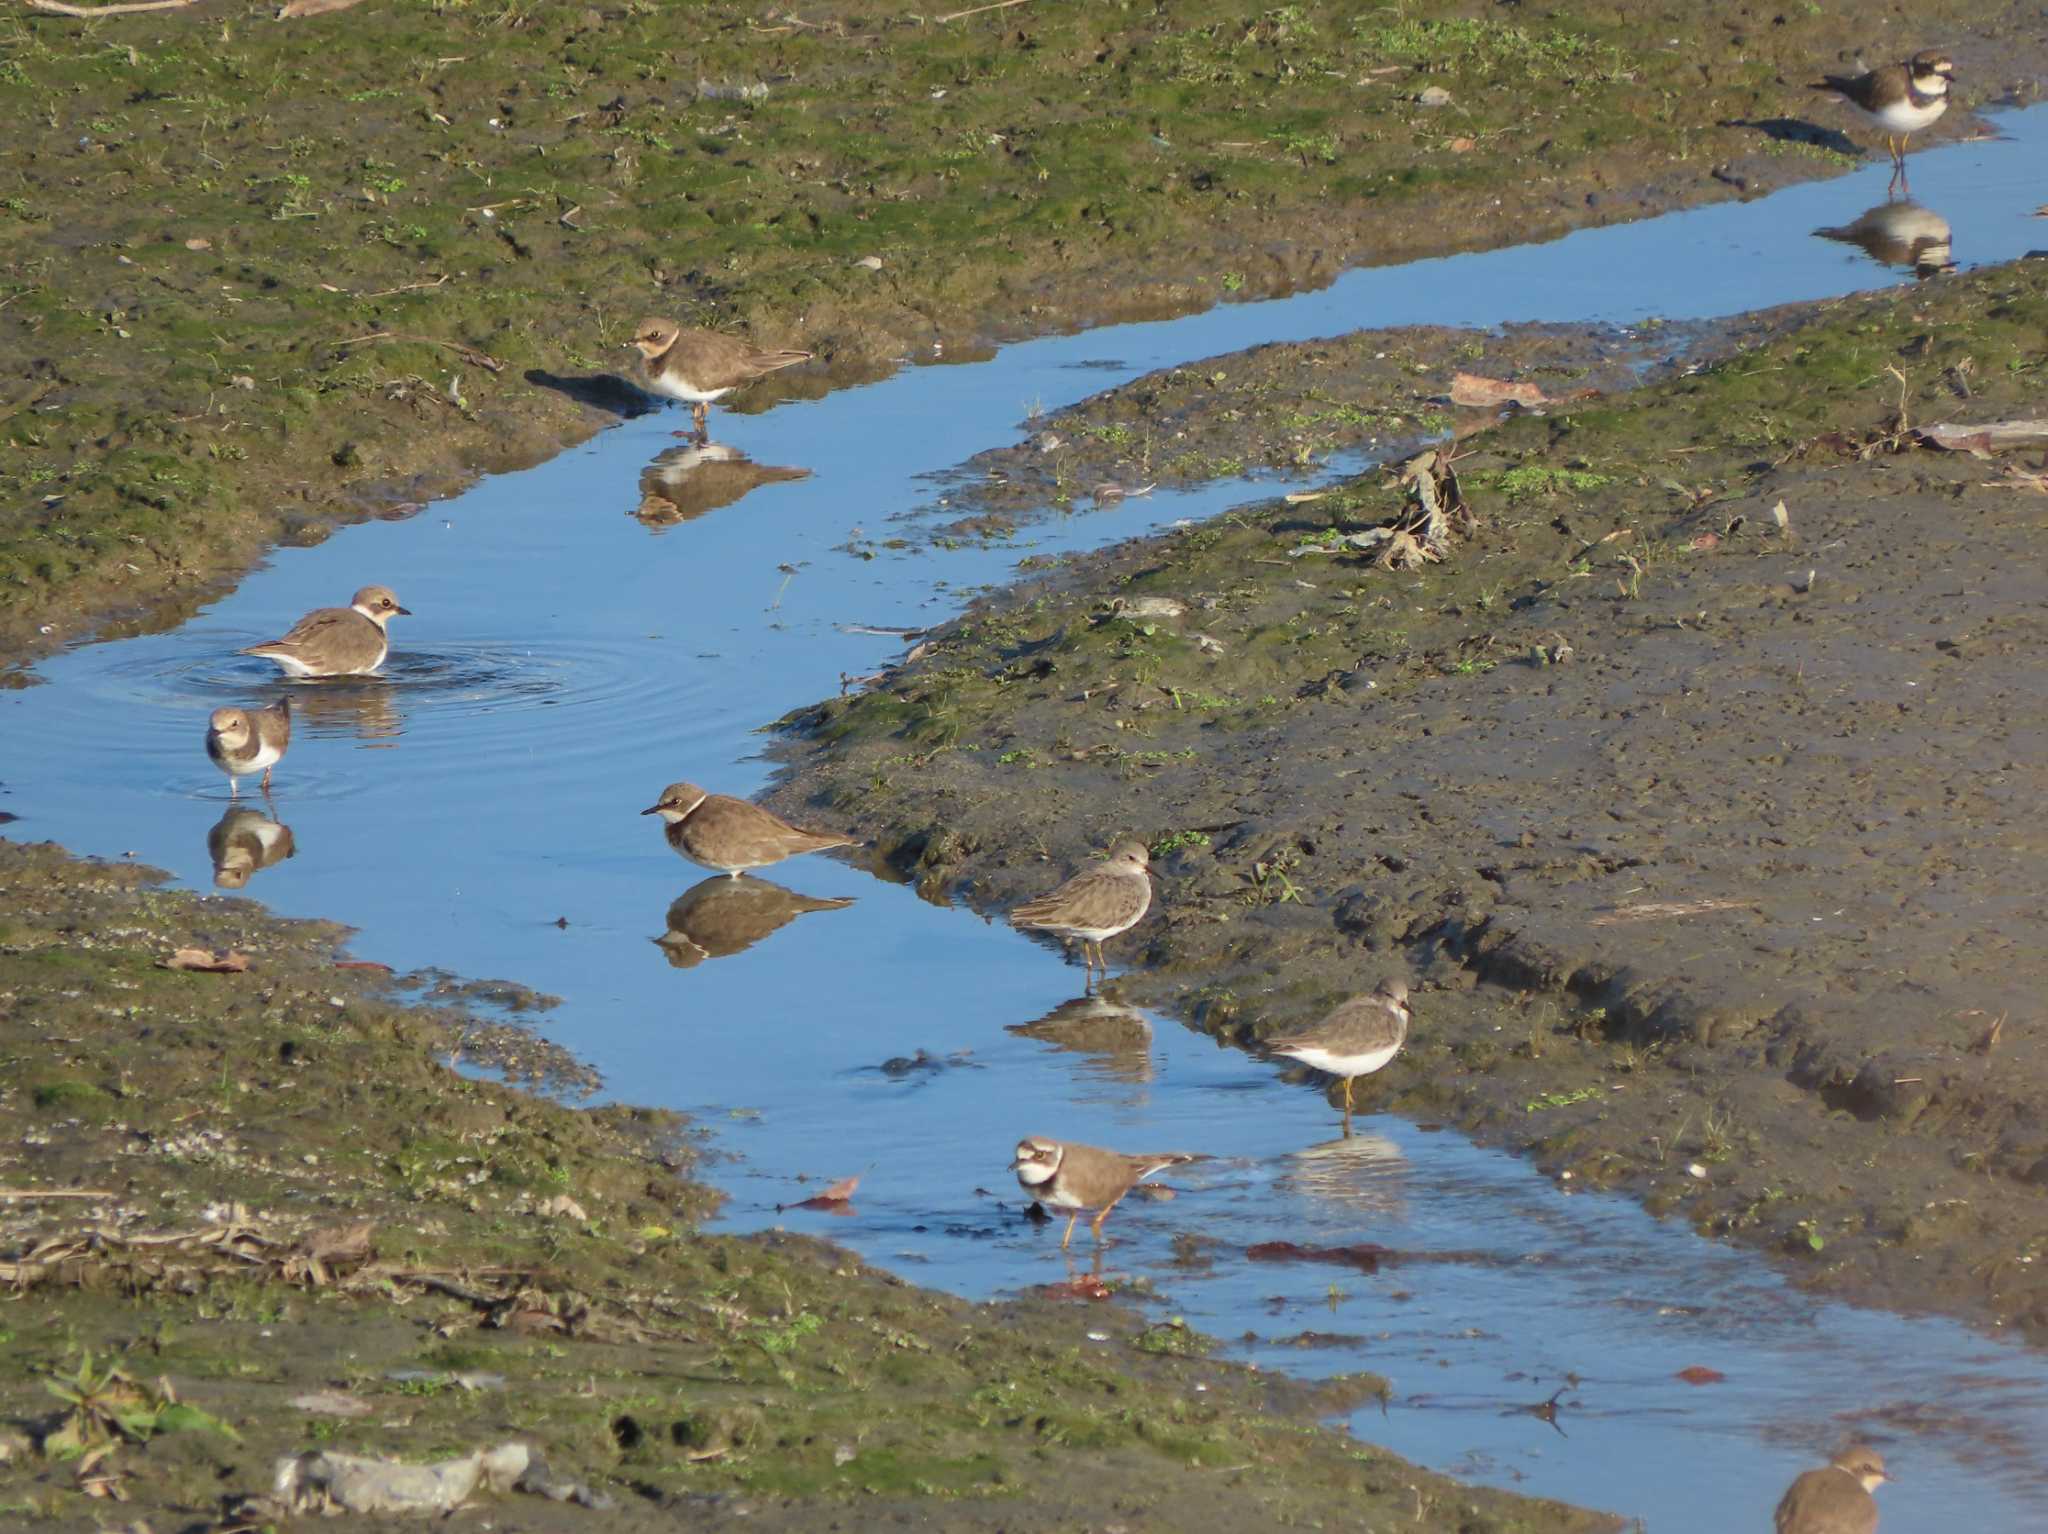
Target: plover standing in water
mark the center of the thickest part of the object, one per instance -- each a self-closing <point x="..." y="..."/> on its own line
<point x="1357" y="1039"/>
<point x="1096" y="904"/>
<point x="1835" y="1499"/>
<point x="337" y="641"/>
<point x="1900" y="98"/>
<point x="699" y="366"/>
<point x="245" y="740"/>
<point x="1062" y="1175"/>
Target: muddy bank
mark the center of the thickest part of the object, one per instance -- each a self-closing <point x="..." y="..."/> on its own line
<point x="263" y="1199"/>
<point x="263" y="279"/>
<point x="1708" y="835"/>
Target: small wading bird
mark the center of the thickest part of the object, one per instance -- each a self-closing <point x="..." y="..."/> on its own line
<point x="337" y="641"/>
<point x="1835" y="1499"/>
<point x="1095" y="904"/>
<point x="730" y="836"/>
<point x="245" y="740"/>
<point x="1062" y="1175"/>
<point x="1355" y="1040"/>
<point x="699" y="366"/>
<point x="1900" y="98"/>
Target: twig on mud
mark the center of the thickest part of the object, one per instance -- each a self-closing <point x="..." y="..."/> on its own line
<point x="410" y="287"/>
<point x="468" y="354"/>
<point x="59" y="8"/>
<point x="999" y="5"/>
<point x="42" y="1193"/>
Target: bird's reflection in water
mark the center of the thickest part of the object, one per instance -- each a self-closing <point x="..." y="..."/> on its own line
<point x="1902" y="234"/>
<point x="720" y="917"/>
<point x="244" y="842"/>
<point x="362" y="706"/>
<point x="1365" y="1173"/>
<point x="1117" y="1040"/>
<point x="690" y="479"/>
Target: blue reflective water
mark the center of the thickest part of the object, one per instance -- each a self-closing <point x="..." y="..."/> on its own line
<point x="567" y="661"/>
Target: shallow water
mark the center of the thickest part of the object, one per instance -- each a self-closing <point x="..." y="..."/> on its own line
<point x="567" y="661"/>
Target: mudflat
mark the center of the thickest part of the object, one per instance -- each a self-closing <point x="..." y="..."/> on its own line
<point x="252" y="1213"/>
<point x="262" y="278"/>
<point x="1691" y="774"/>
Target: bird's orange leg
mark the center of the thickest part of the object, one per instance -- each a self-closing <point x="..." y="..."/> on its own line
<point x="1071" y="1219"/>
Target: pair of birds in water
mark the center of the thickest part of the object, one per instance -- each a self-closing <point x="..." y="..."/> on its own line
<point x="327" y="642"/>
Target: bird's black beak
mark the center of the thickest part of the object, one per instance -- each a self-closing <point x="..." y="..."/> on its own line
<point x="652" y="809"/>
<point x="402" y="612"/>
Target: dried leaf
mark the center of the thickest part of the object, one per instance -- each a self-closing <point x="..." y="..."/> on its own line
<point x="1781" y="517"/>
<point x="292" y="10"/>
<point x="841" y="1190"/>
<point x="1474" y="390"/>
<point x="1699" y="1374"/>
<point x="196" y="243"/>
<point x="207" y="961"/>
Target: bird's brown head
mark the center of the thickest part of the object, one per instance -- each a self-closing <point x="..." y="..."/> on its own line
<point x="232" y="876"/>
<point x="379" y="604"/>
<point x="231" y="727"/>
<point x="676" y="801"/>
<point x="1930" y="65"/>
<point x="1863" y="1462"/>
<point x="1394" y="991"/>
<point x="654" y="336"/>
<point x="1037" y="1160"/>
<point x="1129" y="852"/>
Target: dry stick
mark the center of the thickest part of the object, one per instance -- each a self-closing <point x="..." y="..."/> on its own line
<point x="468" y="353"/>
<point x="1000" y="5"/>
<point x="58" y="8"/>
<point x="35" y="1193"/>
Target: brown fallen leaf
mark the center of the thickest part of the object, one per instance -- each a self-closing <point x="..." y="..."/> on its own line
<point x="840" y="1191"/>
<point x="1707" y="541"/>
<point x="1464" y="145"/>
<point x="197" y="243"/>
<point x="1473" y="390"/>
<point x="1700" y="1374"/>
<point x="292" y="10"/>
<point x="207" y="961"/>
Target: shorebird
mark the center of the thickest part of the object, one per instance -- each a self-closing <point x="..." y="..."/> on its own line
<point x="245" y="740"/>
<point x="1355" y="1040"/>
<point x="730" y="836"/>
<point x="1900" y="98"/>
<point x="699" y="366"/>
<point x="1063" y="1175"/>
<point x="1095" y="904"/>
<point x="1835" y="1499"/>
<point x="337" y="641"/>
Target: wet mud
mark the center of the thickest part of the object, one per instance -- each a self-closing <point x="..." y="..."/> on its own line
<point x="1692" y="786"/>
<point x="254" y="1214"/>
<point x="280" y="311"/>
